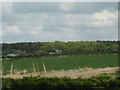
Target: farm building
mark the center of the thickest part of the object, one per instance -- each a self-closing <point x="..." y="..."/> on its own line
<point x="13" y="55"/>
<point x="56" y="52"/>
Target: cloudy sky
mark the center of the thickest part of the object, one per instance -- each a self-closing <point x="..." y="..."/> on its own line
<point x="50" y="21"/>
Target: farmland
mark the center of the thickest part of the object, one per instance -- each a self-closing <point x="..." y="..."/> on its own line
<point x="61" y="62"/>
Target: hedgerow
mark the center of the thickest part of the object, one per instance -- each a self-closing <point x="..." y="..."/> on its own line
<point x="62" y="83"/>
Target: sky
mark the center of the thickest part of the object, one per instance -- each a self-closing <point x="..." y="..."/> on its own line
<point x="61" y="21"/>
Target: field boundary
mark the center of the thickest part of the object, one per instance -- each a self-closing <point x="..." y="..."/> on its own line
<point x="76" y="73"/>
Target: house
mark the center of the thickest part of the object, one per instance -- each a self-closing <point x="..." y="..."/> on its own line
<point x="13" y="55"/>
<point x="52" y="53"/>
<point x="57" y="52"/>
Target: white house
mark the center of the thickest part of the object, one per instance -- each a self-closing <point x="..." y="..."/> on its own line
<point x="56" y="52"/>
<point x="13" y="55"/>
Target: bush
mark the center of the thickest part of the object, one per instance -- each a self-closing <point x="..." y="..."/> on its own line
<point x="61" y="83"/>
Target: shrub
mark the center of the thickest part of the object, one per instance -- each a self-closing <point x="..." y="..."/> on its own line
<point x="61" y="83"/>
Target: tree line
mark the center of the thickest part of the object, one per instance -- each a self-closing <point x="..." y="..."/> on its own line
<point x="25" y="49"/>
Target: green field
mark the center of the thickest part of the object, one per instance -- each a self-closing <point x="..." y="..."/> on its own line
<point x="62" y="62"/>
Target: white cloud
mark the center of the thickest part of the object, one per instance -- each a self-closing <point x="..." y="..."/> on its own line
<point x="7" y="7"/>
<point x="66" y="6"/>
<point x="99" y="19"/>
<point x="39" y="25"/>
<point x="58" y="34"/>
<point x="0" y="33"/>
<point x="104" y="18"/>
<point x="36" y="18"/>
<point x="37" y="31"/>
<point x="68" y="34"/>
<point x="11" y="30"/>
<point x="1" y="30"/>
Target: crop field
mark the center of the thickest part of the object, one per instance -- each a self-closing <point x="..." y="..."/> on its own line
<point x="61" y="62"/>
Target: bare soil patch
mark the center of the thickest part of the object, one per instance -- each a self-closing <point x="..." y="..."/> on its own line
<point x="82" y="73"/>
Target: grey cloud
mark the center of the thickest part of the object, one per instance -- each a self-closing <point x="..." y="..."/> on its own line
<point x="9" y="17"/>
<point x="31" y="7"/>
<point x="52" y="13"/>
<point x="64" y="34"/>
<point x="35" y="9"/>
<point x="91" y="7"/>
<point x="78" y="7"/>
